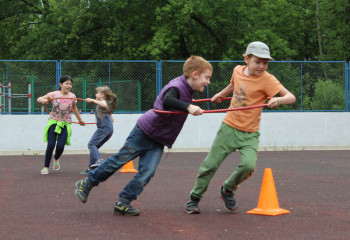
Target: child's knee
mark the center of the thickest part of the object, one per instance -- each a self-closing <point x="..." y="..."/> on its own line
<point x="91" y="145"/>
<point x="207" y="171"/>
<point x="249" y="168"/>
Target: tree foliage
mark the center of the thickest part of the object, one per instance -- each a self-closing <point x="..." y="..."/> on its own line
<point x="172" y="29"/>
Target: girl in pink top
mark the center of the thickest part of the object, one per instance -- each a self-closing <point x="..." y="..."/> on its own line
<point x="58" y="131"/>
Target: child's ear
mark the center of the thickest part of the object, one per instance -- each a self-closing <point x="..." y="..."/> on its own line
<point x="195" y="74"/>
<point x="246" y="59"/>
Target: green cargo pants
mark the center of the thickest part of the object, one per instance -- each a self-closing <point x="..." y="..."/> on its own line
<point x="228" y="140"/>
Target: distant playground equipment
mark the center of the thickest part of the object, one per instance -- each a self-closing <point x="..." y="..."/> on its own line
<point x="9" y="95"/>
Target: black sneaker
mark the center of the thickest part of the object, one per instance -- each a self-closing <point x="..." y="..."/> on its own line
<point x="227" y="197"/>
<point x="83" y="188"/>
<point x="86" y="171"/>
<point x="123" y="208"/>
<point x="97" y="163"/>
<point x="192" y="206"/>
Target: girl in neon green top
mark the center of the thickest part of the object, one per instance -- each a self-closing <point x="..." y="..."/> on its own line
<point x="58" y="131"/>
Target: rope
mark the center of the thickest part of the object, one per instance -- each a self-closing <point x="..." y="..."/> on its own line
<point x="80" y="99"/>
<point x="212" y="111"/>
<point x="209" y="99"/>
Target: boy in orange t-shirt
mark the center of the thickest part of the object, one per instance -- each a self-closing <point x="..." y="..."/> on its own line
<point x="250" y="85"/>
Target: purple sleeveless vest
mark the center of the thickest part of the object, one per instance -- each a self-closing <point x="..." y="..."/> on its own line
<point x="164" y="128"/>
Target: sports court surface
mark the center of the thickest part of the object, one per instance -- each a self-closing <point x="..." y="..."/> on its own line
<point x="313" y="185"/>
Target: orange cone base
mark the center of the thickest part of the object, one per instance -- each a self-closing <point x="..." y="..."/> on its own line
<point x="128" y="168"/>
<point x="268" y="201"/>
<point x="270" y="212"/>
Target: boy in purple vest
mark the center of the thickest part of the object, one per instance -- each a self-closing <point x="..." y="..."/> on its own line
<point x="152" y="132"/>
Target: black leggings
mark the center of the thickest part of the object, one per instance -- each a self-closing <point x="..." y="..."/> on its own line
<point x="51" y="143"/>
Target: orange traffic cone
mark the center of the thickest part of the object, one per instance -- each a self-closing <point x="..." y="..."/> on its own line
<point x="268" y="202"/>
<point x="128" y="167"/>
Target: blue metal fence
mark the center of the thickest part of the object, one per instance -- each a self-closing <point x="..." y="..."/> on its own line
<point x="318" y="85"/>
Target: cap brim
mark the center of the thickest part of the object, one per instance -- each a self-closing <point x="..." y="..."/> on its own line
<point x="264" y="56"/>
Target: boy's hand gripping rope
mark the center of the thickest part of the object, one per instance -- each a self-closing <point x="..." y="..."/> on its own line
<point x="213" y="111"/>
<point x="80" y="99"/>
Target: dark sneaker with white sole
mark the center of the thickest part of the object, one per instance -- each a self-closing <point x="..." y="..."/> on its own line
<point x="227" y="197"/>
<point x="86" y="171"/>
<point x="97" y="163"/>
<point x="192" y="206"/>
<point x="123" y="208"/>
<point x="83" y="188"/>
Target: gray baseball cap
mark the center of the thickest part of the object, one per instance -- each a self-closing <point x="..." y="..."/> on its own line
<point x="259" y="49"/>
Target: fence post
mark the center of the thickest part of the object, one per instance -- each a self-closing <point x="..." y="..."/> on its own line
<point x="58" y="73"/>
<point x="9" y="97"/>
<point x="301" y="86"/>
<point x="347" y="74"/>
<point x="159" y="77"/>
<point x="6" y="101"/>
<point x="29" y="98"/>
<point x="109" y="74"/>
<point x="84" y="93"/>
<point x="0" y="97"/>
<point x="32" y="92"/>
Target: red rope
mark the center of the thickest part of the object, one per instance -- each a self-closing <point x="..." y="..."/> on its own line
<point x="74" y="99"/>
<point x="213" y="111"/>
<point x="209" y="99"/>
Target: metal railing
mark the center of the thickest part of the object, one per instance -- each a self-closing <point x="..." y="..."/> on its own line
<point x="318" y="85"/>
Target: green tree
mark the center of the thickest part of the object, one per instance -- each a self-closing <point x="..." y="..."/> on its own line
<point x="328" y="96"/>
<point x="172" y="29"/>
<point x="335" y="29"/>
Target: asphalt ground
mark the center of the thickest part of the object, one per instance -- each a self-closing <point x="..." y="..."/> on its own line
<point x="312" y="185"/>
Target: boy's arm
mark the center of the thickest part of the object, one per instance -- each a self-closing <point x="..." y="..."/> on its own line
<point x="286" y="97"/>
<point x="223" y="93"/>
<point x="171" y="101"/>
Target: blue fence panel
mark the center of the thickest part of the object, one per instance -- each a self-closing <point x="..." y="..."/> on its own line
<point x="318" y="85"/>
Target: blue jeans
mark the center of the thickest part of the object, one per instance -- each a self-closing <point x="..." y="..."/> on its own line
<point x="138" y="144"/>
<point x="103" y="133"/>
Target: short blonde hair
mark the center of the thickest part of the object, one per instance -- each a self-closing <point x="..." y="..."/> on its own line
<point x="196" y="63"/>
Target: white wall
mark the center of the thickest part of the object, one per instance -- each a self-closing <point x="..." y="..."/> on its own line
<point x="23" y="134"/>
